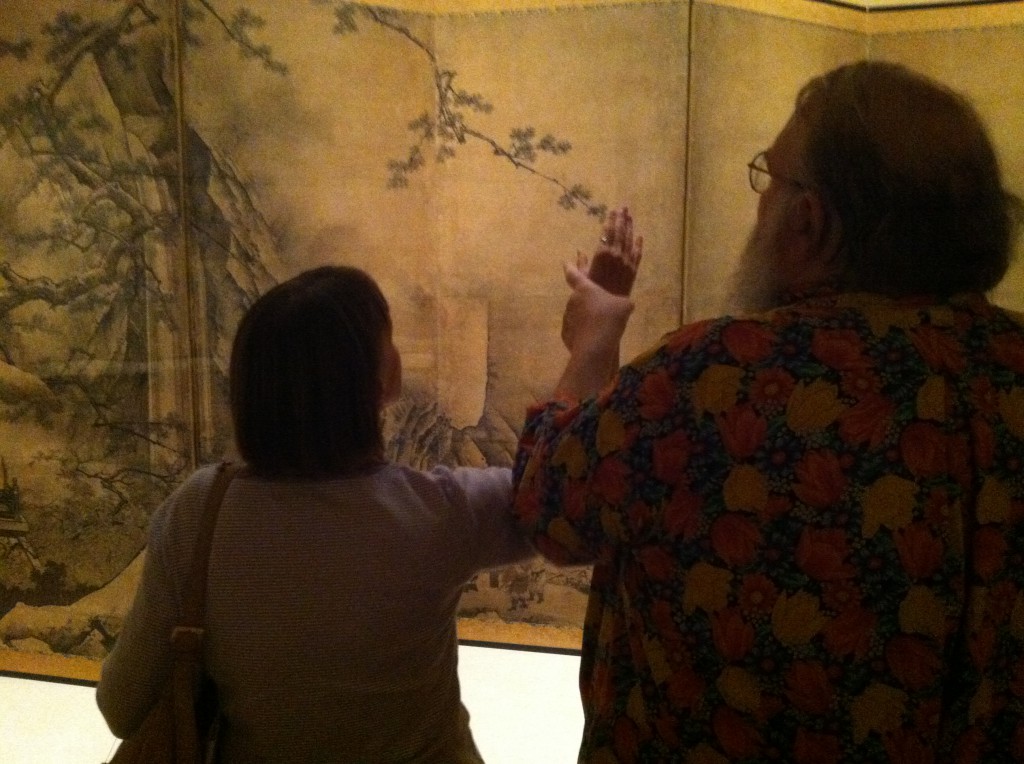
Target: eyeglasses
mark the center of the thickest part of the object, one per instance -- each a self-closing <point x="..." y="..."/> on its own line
<point x="760" y="176"/>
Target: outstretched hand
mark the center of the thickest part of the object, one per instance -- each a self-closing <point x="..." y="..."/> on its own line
<point x="615" y="262"/>
<point x="599" y="307"/>
<point x="594" y="318"/>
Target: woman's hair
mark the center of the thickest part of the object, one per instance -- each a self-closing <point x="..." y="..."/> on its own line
<point x="908" y="167"/>
<point x="304" y="377"/>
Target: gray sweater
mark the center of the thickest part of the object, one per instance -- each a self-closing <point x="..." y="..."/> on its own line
<point x="330" y="612"/>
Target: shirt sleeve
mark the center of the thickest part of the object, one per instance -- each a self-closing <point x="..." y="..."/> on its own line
<point x="595" y="476"/>
<point x="484" y="497"/>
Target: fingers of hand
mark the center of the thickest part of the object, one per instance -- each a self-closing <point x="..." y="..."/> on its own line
<point x="617" y="233"/>
<point x="637" y="252"/>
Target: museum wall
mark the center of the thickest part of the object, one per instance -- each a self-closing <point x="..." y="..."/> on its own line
<point x="750" y="58"/>
<point x="162" y="171"/>
<point x="980" y="61"/>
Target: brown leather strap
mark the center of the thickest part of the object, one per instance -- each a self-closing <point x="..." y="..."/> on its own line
<point x="188" y="636"/>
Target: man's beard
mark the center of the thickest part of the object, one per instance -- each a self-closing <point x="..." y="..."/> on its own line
<point x="756" y="283"/>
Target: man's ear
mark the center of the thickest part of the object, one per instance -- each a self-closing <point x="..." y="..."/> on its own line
<point x="812" y="232"/>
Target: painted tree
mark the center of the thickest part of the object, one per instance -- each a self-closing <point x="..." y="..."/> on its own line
<point x="122" y="271"/>
<point x="450" y="125"/>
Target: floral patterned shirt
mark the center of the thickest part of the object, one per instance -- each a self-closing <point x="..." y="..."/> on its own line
<point x="807" y="532"/>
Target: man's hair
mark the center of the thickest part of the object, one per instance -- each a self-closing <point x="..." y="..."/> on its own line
<point x="304" y="377"/>
<point x="908" y="167"/>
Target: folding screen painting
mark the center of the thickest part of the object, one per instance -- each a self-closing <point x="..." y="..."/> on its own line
<point x="166" y="161"/>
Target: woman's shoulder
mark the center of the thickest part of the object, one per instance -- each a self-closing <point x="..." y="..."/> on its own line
<point x="183" y="505"/>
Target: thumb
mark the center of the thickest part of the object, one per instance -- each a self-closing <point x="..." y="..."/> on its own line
<point x="574" y="277"/>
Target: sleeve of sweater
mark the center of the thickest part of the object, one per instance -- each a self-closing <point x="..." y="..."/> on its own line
<point x="483" y="499"/>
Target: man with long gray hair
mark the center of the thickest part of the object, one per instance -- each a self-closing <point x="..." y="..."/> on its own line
<point x="807" y="524"/>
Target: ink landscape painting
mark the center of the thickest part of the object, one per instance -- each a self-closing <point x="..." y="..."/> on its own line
<point x="165" y="163"/>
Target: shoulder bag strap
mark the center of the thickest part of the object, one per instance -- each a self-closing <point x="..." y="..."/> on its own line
<point x="194" y="596"/>
<point x="187" y="637"/>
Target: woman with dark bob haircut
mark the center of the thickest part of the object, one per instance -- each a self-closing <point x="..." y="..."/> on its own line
<point x="334" y="575"/>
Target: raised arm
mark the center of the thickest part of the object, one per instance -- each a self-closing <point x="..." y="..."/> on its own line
<point x="598" y="309"/>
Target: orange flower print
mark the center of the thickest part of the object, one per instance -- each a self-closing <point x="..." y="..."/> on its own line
<point x="858" y="383"/>
<point x="928" y="716"/>
<point x="669" y="457"/>
<point x="736" y="736"/>
<point x="889" y="502"/>
<point x="1017" y="681"/>
<point x="685" y="689"/>
<point x="1002" y="599"/>
<point x="706" y="587"/>
<point x="575" y="501"/>
<point x="554" y="550"/>
<point x="984" y="396"/>
<point x="939" y="348"/>
<point x="686" y="337"/>
<point x="907" y="747"/>
<point x="839" y="349"/>
<point x="757" y="594"/>
<point x="741" y="690"/>
<point x="820" y="479"/>
<point x="735" y="539"/>
<point x="815" y="748"/>
<point x="850" y="632"/>
<point x="984" y="442"/>
<point x="732" y="635"/>
<point x="867" y="421"/>
<point x="923" y="448"/>
<point x="879" y="709"/>
<point x="968" y="746"/>
<point x="808" y="687"/>
<point x="716" y="389"/>
<point x="747" y="341"/>
<point x="937" y="509"/>
<point x="682" y="514"/>
<point x="840" y="595"/>
<point x="1011" y="408"/>
<point x="912" y="661"/>
<point x="658" y="563"/>
<point x="813" y="406"/>
<point x="989" y="551"/>
<point x="611" y="480"/>
<point x="923" y="611"/>
<point x="745" y="489"/>
<point x="797" y="619"/>
<point x="528" y="507"/>
<point x="994" y="503"/>
<point x="661" y="615"/>
<point x="1007" y="350"/>
<point x="657" y="395"/>
<point x="742" y="430"/>
<point x="771" y="388"/>
<point x="639" y="516"/>
<point x="625" y="739"/>
<point x="822" y="553"/>
<point x="667" y="729"/>
<point x="920" y="551"/>
<point x="1017" y="742"/>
